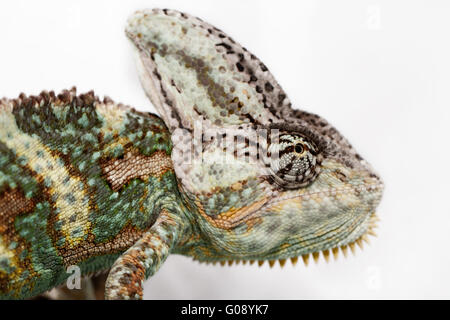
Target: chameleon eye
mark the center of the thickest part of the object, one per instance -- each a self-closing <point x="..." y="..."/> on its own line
<point x="294" y="161"/>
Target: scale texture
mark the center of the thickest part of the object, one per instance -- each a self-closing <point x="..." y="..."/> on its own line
<point x="230" y="172"/>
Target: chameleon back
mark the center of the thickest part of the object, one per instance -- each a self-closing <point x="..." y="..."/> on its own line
<point x="79" y="181"/>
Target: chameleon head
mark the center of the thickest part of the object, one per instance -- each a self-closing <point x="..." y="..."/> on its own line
<point x="264" y="181"/>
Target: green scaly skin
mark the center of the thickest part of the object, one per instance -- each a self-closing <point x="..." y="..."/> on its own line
<point x="230" y="172"/>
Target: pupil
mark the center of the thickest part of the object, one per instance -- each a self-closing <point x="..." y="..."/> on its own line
<point x="298" y="148"/>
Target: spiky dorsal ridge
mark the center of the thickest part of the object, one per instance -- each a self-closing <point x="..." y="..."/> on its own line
<point x="64" y="98"/>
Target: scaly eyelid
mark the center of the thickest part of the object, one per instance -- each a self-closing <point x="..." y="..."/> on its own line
<point x="318" y="142"/>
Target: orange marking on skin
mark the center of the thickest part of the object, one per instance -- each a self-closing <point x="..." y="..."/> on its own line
<point x="253" y="222"/>
<point x="236" y="186"/>
<point x="233" y="217"/>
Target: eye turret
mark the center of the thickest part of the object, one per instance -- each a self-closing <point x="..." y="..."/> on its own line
<point x="294" y="160"/>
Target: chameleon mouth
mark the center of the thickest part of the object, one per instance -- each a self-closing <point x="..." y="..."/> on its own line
<point x="364" y="238"/>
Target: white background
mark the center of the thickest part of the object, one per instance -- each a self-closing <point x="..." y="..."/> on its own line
<point x="378" y="70"/>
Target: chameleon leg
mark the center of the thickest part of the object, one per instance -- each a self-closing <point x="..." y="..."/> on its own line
<point x="99" y="285"/>
<point x="143" y="259"/>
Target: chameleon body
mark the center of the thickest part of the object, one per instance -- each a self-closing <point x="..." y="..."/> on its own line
<point x="229" y="172"/>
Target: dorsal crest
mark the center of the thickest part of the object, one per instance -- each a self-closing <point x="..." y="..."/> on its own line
<point x="193" y="71"/>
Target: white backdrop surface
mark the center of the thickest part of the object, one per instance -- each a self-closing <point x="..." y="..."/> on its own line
<point x="378" y="70"/>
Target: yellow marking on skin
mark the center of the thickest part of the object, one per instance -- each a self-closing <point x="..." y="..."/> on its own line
<point x="252" y="222"/>
<point x="233" y="217"/>
<point x="70" y="198"/>
<point x="119" y="142"/>
<point x="5" y="252"/>
<point x="114" y="117"/>
<point x="287" y="204"/>
<point x="12" y="261"/>
<point x="317" y="198"/>
<point x="236" y="186"/>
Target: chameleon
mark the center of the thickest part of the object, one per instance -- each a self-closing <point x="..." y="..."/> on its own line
<point x="229" y="171"/>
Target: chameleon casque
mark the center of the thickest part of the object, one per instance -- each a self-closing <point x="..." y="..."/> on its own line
<point x="229" y="172"/>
